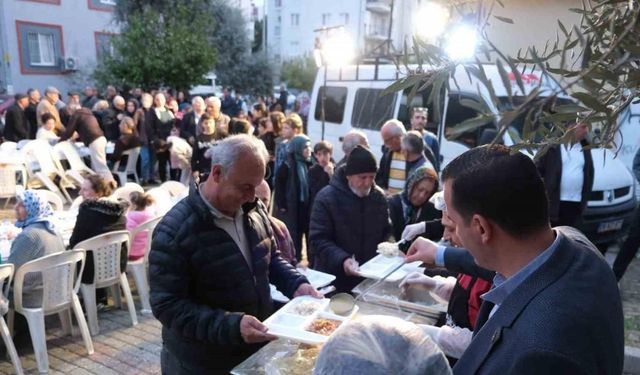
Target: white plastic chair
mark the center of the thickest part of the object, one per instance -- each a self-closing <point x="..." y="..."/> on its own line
<point x="78" y="170"/>
<point x="59" y="294"/>
<point x="105" y="249"/>
<point x="22" y="143"/>
<point x="130" y="170"/>
<point x="123" y="192"/>
<point x="54" y="199"/>
<point x="39" y="151"/>
<point x="163" y="201"/>
<point x="138" y="267"/>
<point x="8" y="146"/>
<point x="6" y="273"/>
<point x="174" y="188"/>
<point x="8" y="184"/>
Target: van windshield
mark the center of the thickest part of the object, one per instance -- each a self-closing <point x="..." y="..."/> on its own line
<point x="518" y="123"/>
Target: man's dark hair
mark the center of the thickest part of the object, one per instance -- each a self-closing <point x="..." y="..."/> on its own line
<point x="413" y="143"/>
<point x="503" y="187"/>
<point x="237" y="126"/>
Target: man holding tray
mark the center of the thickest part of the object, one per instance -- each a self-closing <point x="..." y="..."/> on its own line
<point x="212" y="259"/>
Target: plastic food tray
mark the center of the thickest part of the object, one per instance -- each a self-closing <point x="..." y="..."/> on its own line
<point x="379" y="266"/>
<point x="287" y="323"/>
<point x="317" y="280"/>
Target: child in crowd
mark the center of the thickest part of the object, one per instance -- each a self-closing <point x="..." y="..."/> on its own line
<point x="321" y="173"/>
<point x="46" y="130"/>
<point x="137" y="215"/>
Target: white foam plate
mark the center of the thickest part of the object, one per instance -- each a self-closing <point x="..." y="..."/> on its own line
<point x="380" y="265"/>
<point x="317" y="279"/>
<point x="287" y="323"/>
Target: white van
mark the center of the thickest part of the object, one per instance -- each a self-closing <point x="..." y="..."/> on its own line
<point x="353" y="101"/>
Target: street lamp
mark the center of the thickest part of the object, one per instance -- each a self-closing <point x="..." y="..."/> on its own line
<point x="336" y="50"/>
<point x="461" y="42"/>
<point x="430" y="21"/>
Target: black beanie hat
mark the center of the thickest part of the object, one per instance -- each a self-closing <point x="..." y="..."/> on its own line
<point x="361" y="160"/>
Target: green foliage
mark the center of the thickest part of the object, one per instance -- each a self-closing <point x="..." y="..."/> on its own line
<point x="160" y="49"/>
<point x="597" y="62"/>
<point x="299" y="72"/>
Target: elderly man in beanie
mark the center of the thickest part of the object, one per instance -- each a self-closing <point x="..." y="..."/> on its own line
<point x="350" y="217"/>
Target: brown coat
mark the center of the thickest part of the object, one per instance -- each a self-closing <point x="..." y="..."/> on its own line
<point x="45" y="106"/>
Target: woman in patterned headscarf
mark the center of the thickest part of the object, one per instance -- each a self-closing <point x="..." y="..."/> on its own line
<point x="37" y="239"/>
<point x="412" y="205"/>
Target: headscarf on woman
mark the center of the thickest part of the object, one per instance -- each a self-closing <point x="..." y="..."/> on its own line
<point x="296" y="147"/>
<point x="38" y="210"/>
<point x="419" y="174"/>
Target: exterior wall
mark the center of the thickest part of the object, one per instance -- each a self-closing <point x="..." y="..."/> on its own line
<point x="286" y="39"/>
<point x="535" y="21"/>
<point x="78" y="20"/>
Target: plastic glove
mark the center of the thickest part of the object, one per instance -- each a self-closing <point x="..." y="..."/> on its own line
<point x="351" y="267"/>
<point x="438" y="285"/>
<point x="418" y="279"/>
<point x="454" y="340"/>
<point x="412" y="231"/>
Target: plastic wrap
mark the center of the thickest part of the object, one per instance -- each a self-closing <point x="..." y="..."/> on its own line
<point x="377" y="345"/>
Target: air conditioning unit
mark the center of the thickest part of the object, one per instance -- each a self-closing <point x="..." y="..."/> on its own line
<point x="70" y="64"/>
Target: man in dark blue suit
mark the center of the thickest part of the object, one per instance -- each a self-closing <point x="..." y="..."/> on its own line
<point x="555" y="307"/>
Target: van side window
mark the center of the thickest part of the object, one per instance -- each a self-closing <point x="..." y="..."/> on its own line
<point x="370" y="110"/>
<point x="457" y="113"/>
<point x="335" y="101"/>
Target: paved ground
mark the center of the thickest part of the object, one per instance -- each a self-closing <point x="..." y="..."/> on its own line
<point x="120" y="348"/>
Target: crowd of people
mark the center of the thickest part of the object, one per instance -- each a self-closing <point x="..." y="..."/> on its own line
<point x="264" y="198"/>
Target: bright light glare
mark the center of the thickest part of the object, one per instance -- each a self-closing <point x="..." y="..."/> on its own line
<point x="461" y="43"/>
<point x="431" y="20"/>
<point x="338" y="49"/>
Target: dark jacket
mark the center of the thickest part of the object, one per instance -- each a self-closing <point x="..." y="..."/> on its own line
<point x="158" y="131"/>
<point x="287" y="197"/>
<point x="85" y="123"/>
<point x="97" y="217"/>
<point x="16" y="126"/>
<point x="125" y="142"/>
<point x="110" y="123"/>
<point x="188" y="126"/>
<point x="460" y="260"/>
<point x="201" y="285"/>
<point x="199" y="161"/>
<point x="550" y="168"/>
<point x="565" y="318"/>
<point x="318" y="179"/>
<point x="428" y="213"/>
<point x="343" y="224"/>
<point x="32" y="117"/>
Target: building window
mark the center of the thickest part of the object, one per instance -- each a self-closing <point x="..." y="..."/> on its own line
<point x="104" y="45"/>
<point x="278" y="3"/>
<point x="40" y="47"/>
<point x="326" y="19"/>
<point x="295" y="19"/>
<point x="276" y="31"/>
<point x="102" y="5"/>
<point x="345" y="18"/>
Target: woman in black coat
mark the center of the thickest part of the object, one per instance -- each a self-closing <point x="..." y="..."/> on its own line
<point x="98" y="215"/>
<point x="412" y="205"/>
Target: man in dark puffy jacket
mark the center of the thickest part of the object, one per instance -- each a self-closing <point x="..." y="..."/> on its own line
<point x="350" y="217"/>
<point x="212" y="258"/>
